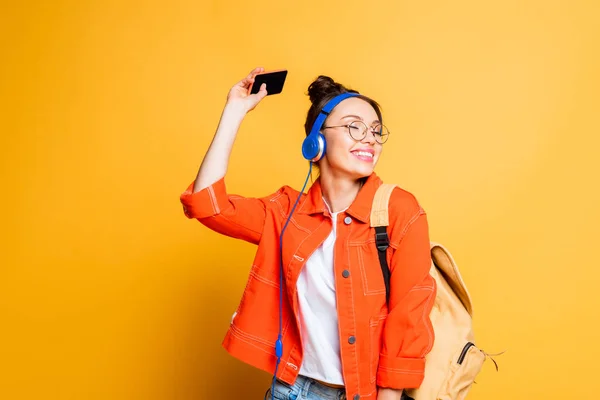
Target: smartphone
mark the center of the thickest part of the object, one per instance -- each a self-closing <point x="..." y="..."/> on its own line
<point x="273" y="79"/>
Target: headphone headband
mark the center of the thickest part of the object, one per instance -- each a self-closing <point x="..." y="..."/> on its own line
<point x="326" y="110"/>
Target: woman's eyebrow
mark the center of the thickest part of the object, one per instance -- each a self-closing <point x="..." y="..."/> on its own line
<point x="359" y="118"/>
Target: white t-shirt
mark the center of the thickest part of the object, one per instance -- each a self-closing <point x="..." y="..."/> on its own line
<point x="318" y="314"/>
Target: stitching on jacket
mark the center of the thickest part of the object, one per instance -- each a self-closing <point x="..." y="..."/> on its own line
<point x="420" y="287"/>
<point x="412" y="220"/>
<point x="369" y="394"/>
<point x="427" y="320"/>
<point x="362" y="272"/>
<point x="277" y="195"/>
<point x="361" y="243"/>
<point x="294" y="222"/>
<point x="374" y="324"/>
<point x="401" y="371"/>
<point x="256" y="276"/>
<point x="250" y="278"/>
<point x="240" y="225"/>
<point x="213" y="200"/>
<point x="284" y="215"/>
<point x="243" y="339"/>
<point x="378" y="319"/>
<point x="409" y="224"/>
<point x="425" y="316"/>
<point x="239" y="332"/>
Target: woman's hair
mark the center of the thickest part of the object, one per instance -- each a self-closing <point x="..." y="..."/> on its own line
<point x="323" y="89"/>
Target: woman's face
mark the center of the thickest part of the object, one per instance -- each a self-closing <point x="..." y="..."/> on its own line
<point x="344" y="155"/>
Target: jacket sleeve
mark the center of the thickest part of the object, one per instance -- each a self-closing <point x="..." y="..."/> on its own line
<point x="235" y="216"/>
<point x="408" y="333"/>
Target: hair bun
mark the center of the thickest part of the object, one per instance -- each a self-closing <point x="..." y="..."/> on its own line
<point x="324" y="87"/>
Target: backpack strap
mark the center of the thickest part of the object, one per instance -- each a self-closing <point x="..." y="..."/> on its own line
<point x="441" y="258"/>
<point x="382" y="241"/>
<point x="380" y="221"/>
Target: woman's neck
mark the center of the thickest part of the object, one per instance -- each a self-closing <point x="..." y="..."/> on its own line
<point x="339" y="192"/>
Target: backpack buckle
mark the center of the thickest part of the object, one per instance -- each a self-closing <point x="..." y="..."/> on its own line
<point x="382" y="241"/>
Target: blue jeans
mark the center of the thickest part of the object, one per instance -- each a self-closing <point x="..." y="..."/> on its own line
<point x="305" y="389"/>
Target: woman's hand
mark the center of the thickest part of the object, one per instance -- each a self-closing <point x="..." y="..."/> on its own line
<point x="389" y="394"/>
<point x="239" y="102"/>
<point x="238" y="95"/>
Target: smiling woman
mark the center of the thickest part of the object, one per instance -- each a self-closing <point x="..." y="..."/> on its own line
<point x="356" y="117"/>
<point x="310" y="301"/>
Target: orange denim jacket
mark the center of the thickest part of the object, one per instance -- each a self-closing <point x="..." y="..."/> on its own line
<point x="379" y="346"/>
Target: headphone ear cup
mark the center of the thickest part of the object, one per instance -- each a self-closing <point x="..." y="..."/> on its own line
<point x="313" y="147"/>
<point x="322" y="147"/>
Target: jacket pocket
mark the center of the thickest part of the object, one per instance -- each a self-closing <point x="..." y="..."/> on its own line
<point x="365" y="256"/>
<point x="462" y="373"/>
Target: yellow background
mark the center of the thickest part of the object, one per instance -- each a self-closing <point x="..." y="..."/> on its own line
<point x="108" y="292"/>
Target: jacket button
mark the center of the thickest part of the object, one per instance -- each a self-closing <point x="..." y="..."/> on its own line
<point x="356" y="397"/>
<point x="345" y="273"/>
<point x="347" y="220"/>
<point x="351" y="340"/>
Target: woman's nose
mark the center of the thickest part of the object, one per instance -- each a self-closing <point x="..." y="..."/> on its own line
<point x="369" y="137"/>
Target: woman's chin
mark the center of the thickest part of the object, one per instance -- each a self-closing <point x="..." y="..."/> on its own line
<point x="362" y="173"/>
<point x="352" y="171"/>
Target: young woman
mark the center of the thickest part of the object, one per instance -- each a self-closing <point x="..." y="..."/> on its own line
<point x="340" y="338"/>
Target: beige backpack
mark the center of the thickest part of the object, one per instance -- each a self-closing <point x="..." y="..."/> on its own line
<point x="455" y="360"/>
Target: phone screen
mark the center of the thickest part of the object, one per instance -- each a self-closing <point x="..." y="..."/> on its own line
<point x="274" y="81"/>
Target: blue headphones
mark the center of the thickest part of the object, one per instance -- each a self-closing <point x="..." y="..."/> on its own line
<point x="313" y="147"/>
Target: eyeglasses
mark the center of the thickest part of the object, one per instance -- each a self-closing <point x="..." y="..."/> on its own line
<point x="358" y="131"/>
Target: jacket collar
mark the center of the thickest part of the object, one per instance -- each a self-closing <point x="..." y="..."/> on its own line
<point x="359" y="209"/>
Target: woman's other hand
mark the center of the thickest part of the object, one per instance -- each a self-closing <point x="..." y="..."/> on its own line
<point x="239" y="93"/>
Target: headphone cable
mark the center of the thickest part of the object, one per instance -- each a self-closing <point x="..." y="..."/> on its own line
<point x="279" y="342"/>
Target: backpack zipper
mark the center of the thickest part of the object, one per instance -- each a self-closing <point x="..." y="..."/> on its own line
<point x="463" y="353"/>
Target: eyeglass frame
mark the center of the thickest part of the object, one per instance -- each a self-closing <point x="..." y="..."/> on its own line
<point x="366" y="130"/>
